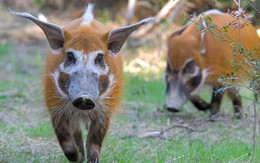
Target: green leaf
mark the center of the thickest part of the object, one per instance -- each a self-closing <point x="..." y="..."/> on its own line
<point x="225" y="28"/>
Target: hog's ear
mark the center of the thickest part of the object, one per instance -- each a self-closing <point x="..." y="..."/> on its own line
<point x="54" y="33"/>
<point x="178" y="32"/>
<point x="117" y="36"/>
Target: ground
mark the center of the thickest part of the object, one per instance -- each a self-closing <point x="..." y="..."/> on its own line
<point x="141" y="130"/>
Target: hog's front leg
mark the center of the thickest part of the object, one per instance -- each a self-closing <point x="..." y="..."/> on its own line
<point x="215" y="102"/>
<point x="96" y="135"/>
<point x="71" y="143"/>
<point x="199" y="103"/>
<point x="79" y="141"/>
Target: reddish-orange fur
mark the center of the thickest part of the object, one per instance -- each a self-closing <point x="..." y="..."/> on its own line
<point x="187" y="44"/>
<point x="83" y="80"/>
<point x="88" y="38"/>
<point x="89" y="42"/>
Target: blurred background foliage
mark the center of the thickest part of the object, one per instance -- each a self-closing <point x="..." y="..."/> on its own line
<point x="114" y="13"/>
<point x="117" y="8"/>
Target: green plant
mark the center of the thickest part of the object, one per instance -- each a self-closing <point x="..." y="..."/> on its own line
<point x="250" y="65"/>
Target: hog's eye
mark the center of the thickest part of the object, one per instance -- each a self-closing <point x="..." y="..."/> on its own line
<point x="190" y="67"/>
<point x="70" y="57"/>
<point x="99" y="60"/>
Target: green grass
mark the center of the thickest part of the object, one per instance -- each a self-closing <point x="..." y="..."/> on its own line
<point x="183" y="149"/>
<point x="4" y="48"/>
<point x="26" y="134"/>
<point x="146" y="91"/>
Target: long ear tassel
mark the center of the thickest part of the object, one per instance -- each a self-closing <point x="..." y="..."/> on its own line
<point x="117" y="37"/>
<point x="54" y="33"/>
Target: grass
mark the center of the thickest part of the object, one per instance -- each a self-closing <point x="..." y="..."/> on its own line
<point x="183" y="149"/>
<point x="139" y="88"/>
<point x="26" y="134"/>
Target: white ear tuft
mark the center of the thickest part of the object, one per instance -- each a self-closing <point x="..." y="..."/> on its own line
<point x="42" y="17"/>
<point x="88" y="16"/>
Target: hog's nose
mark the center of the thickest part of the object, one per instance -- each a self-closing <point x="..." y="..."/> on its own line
<point x="83" y="103"/>
<point x="172" y="109"/>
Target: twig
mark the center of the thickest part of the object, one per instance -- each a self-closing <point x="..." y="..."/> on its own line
<point x="254" y="85"/>
<point x="160" y="133"/>
<point x="244" y="155"/>
<point x="177" y="158"/>
<point x="7" y="107"/>
<point x="254" y="129"/>
<point x="253" y="7"/>
<point x="163" y="13"/>
<point x="190" y="129"/>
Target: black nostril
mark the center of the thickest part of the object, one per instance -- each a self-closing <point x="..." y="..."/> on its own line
<point x="172" y="109"/>
<point x="89" y="103"/>
<point x="83" y="103"/>
<point x="77" y="102"/>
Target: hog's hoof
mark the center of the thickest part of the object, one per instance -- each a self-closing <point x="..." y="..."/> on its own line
<point x="215" y="117"/>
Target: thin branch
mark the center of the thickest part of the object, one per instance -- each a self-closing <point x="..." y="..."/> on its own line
<point x="254" y="129"/>
<point x="160" y="133"/>
<point x="189" y="128"/>
<point x="163" y="13"/>
<point x="253" y="7"/>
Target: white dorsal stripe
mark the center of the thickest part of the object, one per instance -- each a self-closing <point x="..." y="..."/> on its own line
<point x="88" y="15"/>
<point x="203" y="46"/>
<point x="213" y="11"/>
<point x="55" y="75"/>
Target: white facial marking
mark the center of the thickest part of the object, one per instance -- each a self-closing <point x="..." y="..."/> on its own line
<point x="110" y="86"/>
<point x="196" y="72"/>
<point x="91" y="64"/>
<point x="205" y="73"/>
<point x="70" y="69"/>
<point x="55" y="75"/>
<point x="188" y="60"/>
<point x="88" y="15"/>
<point x="84" y="62"/>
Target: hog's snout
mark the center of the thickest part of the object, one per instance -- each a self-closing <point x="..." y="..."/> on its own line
<point x="83" y="103"/>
